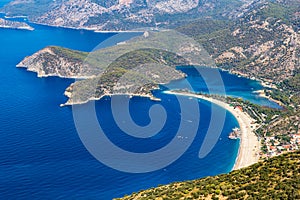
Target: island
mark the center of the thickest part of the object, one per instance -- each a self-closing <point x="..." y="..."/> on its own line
<point x="15" y="25"/>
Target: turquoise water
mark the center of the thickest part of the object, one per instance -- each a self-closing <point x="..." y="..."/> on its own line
<point x="234" y="86"/>
<point x="41" y="154"/>
<point x="3" y="2"/>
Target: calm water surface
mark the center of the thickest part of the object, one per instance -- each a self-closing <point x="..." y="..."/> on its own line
<point x="41" y="154"/>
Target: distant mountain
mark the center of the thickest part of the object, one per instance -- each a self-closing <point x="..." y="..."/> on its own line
<point x="116" y="15"/>
<point x="262" y="40"/>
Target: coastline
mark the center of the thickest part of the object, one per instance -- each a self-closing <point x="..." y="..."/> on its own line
<point x="130" y="95"/>
<point x="8" y="24"/>
<point x="248" y="153"/>
<point x="263" y="83"/>
<point x="18" y="28"/>
<point x="262" y="94"/>
<point x="95" y="30"/>
<point x="249" y="144"/>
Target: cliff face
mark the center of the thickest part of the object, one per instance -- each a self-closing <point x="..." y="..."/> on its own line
<point x="56" y="61"/>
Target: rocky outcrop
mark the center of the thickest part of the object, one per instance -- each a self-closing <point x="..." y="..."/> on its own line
<point x="174" y="6"/>
<point x="57" y="61"/>
<point x="15" y="25"/>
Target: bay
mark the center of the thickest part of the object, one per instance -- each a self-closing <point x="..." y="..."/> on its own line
<point x="42" y="156"/>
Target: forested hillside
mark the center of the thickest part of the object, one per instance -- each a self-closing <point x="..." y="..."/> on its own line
<point x="277" y="178"/>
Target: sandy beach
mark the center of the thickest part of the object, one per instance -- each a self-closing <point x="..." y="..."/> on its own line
<point x="249" y="145"/>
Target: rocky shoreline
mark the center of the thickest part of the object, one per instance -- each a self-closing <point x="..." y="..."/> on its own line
<point x="15" y="25"/>
<point x="93" y="83"/>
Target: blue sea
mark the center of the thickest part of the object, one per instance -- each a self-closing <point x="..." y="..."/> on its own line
<point x="3" y="2"/>
<point x="42" y="156"/>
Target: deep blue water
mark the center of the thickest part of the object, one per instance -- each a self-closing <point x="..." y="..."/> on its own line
<point x="41" y="154"/>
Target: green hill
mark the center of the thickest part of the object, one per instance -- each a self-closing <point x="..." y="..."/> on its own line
<point x="276" y="178"/>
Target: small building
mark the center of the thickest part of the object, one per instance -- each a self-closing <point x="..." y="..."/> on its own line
<point x="239" y="108"/>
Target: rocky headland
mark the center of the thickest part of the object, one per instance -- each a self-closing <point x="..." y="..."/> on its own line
<point x="15" y="25"/>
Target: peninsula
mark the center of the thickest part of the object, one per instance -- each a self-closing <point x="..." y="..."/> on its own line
<point x="15" y="25"/>
<point x="135" y="67"/>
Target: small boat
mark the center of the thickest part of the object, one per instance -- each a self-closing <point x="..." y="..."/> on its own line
<point x="235" y="134"/>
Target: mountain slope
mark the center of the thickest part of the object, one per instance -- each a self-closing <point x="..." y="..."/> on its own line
<point x="276" y="178"/>
<point x="119" y="15"/>
<point x="263" y="43"/>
